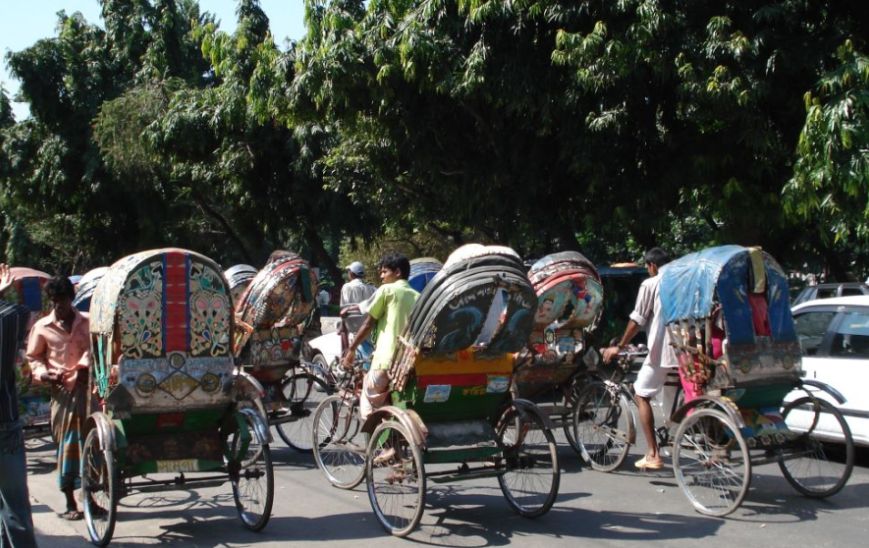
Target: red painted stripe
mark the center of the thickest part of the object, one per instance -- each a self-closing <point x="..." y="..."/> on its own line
<point x="467" y="379"/>
<point x="175" y="299"/>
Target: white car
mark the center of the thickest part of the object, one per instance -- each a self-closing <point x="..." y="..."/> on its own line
<point x="834" y="340"/>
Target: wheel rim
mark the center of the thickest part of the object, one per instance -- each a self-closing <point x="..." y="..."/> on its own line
<point x="303" y="394"/>
<point x="806" y="465"/>
<point x="98" y="489"/>
<point x="711" y="462"/>
<point x="339" y="449"/>
<point x="529" y="460"/>
<point x="396" y="479"/>
<point x="253" y="483"/>
<point x="603" y="427"/>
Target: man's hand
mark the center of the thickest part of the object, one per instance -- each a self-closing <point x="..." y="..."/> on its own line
<point x="347" y="360"/>
<point x="5" y="277"/>
<point x="51" y="377"/>
<point x="609" y="353"/>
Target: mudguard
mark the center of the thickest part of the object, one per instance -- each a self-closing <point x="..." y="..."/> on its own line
<point x="260" y="424"/>
<point x="835" y="394"/>
<point x="105" y="429"/>
<point x="721" y="403"/>
<point x="406" y="417"/>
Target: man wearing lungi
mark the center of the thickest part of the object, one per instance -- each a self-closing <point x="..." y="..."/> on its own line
<point x="59" y="353"/>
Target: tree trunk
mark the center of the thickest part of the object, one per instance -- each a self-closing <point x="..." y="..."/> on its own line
<point x="212" y="212"/>
<point x="321" y="255"/>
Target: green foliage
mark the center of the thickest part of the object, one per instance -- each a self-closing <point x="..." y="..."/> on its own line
<point x="831" y="175"/>
<point x="546" y="125"/>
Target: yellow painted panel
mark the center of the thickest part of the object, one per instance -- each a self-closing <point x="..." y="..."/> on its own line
<point x="463" y="362"/>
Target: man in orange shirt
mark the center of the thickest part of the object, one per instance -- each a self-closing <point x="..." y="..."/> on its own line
<point x="59" y="353"/>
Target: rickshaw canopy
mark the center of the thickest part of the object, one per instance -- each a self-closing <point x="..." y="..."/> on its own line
<point x="174" y="295"/>
<point x="692" y="284"/>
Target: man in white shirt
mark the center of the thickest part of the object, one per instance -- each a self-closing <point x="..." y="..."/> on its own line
<point x="356" y="289"/>
<point x="660" y="359"/>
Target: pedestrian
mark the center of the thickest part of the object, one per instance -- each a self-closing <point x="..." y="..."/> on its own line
<point x="16" y="520"/>
<point x="356" y="289"/>
<point x="59" y="352"/>
<point x="647" y="314"/>
<point x="386" y="314"/>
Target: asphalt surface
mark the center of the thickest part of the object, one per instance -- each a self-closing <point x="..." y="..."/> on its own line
<point x="619" y="509"/>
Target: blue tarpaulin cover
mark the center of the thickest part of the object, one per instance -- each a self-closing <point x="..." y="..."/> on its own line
<point x="690" y="285"/>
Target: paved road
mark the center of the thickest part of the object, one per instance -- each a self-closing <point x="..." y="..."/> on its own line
<point x="620" y="509"/>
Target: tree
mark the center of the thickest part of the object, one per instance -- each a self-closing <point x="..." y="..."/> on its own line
<point x="830" y="187"/>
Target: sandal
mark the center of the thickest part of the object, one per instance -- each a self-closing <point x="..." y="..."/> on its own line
<point x="647" y="464"/>
<point x="72" y="515"/>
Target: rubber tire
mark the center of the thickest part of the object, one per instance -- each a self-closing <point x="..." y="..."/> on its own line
<point x="92" y="447"/>
<point x="515" y="417"/>
<point x="615" y="407"/>
<point x="823" y="407"/>
<point x="330" y="404"/>
<point x="297" y="434"/>
<point x="681" y="444"/>
<point x="263" y="453"/>
<point x="416" y="457"/>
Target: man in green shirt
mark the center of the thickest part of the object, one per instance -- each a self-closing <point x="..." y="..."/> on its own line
<point x="386" y="313"/>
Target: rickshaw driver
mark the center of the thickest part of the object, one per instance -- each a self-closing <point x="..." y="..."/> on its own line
<point x="387" y="313"/>
<point x="59" y="351"/>
<point x="647" y="314"/>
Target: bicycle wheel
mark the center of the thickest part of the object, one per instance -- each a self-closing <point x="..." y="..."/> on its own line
<point x="806" y="466"/>
<point x="99" y="484"/>
<point x="339" y="446"/>
<point x="252" y="478"/>
<point x="711" y="462"/>
<point x="303" y="392"/>
<point x="396" y="478"/>
<point x="530" y="476"/>
<point x="604" y="425"/>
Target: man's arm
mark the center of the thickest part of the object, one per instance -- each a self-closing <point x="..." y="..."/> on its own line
<point x="349" y="356"/>
<point x="36" y="351"/>
<point x="640" y="316"/>
<point x="5" y="277"/>
<point x="345" y="291"/>
<point x="630" y="332"/>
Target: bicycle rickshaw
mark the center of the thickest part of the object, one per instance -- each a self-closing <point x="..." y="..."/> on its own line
<point x="451" y="403"/>
<point x="162" y="376"/>
<point x="422" y="270"/>
<point x="239" y="277"/>
<point x="548" y="370"/>
<point x="728" y="316"/>
<point x="271" y="314"/>
<point x="84" y="291"/>
<point x="338" y="442"/>
<point x="34" y="399"/>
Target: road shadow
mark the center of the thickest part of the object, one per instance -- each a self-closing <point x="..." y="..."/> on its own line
<point x="199" y="522"/>
<point x="449" y="509"/>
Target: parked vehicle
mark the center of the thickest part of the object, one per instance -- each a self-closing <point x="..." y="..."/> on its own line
<point x="834" y="340"/>
<point x="829" y="291"/>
